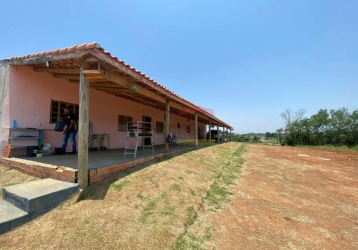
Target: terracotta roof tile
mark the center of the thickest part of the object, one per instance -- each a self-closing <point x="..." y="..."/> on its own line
<point x="71" y="49"/>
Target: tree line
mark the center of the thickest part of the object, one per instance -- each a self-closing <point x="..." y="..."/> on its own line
<point x="327" y="127"/>
<point x="251" y="137"/>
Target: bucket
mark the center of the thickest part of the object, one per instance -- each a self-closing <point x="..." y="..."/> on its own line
<point x="31" y="149"/>
<point x="60" y="125"/>
<point x="58" y="151"/>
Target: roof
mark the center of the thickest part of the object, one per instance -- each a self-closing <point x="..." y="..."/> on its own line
<point x="71" y="53"/>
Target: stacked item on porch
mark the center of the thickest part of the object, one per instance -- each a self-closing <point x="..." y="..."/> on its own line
<point x="46" y="150"/>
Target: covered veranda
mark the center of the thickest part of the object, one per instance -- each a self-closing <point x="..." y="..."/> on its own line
<point x="102" y="159"/>
<point x="90" y="66"/>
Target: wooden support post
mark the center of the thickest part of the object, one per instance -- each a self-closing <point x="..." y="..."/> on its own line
<point x="167" y="113"/>
<point x="83" y="133"/>
<point x="209" y="131"/>
<point x="217" y="136"/>
<point x="223" y="134"/>
<point x="226" y="137"/>
<point x="196" y="130"/>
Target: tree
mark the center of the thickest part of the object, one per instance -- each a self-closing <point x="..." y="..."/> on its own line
<point x="334" y="127"/>
<point x="255" y="138"/>
<point x="267" y="135"/>
<point x="339" y="122"/>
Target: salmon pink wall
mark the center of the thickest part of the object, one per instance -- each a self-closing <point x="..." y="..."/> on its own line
<point x="4" y="106"/>
<point x="29" y="100"/>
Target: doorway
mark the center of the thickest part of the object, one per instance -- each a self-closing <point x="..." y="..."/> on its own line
<point x="147" y="127"/>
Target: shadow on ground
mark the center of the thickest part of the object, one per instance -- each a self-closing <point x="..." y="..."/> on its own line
<point x="98" y="190"/>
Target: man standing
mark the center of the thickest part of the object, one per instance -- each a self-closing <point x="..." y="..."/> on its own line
<point x="70" y="120"/>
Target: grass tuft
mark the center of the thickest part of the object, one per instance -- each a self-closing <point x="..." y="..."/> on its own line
<point x="119" y="187"/>
<point x="176" y="187"/>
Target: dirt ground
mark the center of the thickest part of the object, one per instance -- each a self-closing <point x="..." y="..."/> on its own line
<point x="291" y="198"/>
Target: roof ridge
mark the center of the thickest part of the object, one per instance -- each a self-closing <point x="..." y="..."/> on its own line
<point x="57" y="51"/>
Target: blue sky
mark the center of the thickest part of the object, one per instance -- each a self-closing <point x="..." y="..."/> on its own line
<point x="247" y="60"/>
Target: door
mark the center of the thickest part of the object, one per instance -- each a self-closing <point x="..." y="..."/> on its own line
<point x="147" y="127"/>
<point x="199" y="133"/>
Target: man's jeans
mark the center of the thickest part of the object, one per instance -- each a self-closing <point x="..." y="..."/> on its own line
<point x="72" y="135"/>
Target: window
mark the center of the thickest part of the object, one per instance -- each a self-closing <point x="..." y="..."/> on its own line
<point x="188" y="129"/>
<point x="57" y="109"/>
<point x="160" y="127"/>
<point x="122" y="122"/>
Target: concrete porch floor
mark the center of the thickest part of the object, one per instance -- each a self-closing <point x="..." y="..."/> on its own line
<point x="98" y="159"/>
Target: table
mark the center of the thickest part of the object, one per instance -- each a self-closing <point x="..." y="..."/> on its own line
<point x="177" y="137"/>
<point x="99" y="138"/>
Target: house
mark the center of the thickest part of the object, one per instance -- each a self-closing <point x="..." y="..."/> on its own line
<point x="100" y="89"/>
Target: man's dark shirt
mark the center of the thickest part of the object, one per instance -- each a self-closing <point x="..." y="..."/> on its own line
<point x="68" y="118"/>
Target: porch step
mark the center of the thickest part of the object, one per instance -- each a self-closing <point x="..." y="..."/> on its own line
<point x="11" y="216"/>
<point x="40" y="195"/>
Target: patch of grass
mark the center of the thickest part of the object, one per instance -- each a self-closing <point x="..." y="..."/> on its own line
<point x="338" y="148"/>
<point x="191" y="215"/>
<point x="145" y="216"/>
<point x="176" y="187"/>
<point x="190" y="172"/>
<point x="163" y="195"/>
<point x="192" y="192"/>
<point x="208" y="235"/>
<point x="87" y="193"/>
<point x="181" y="242"/>
<point x="150" y="206"/>
<point x="228" y="180"/>
<point x="35" y="246"/>
<point x="215" y="197"/>
<point x="181" y="178"/>
<point x="119" y="187"/>
<point x="168" y="211"/>
<point x="271" y="140"/>
<point x="148" y="210"/>
<point x="85" y="222"/>
<point x="154" y="182"/>
<point x="140" y="196"/>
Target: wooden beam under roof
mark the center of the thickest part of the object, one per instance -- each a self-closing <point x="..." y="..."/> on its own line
<point x="104" y="76"/>
<point x="110" y="75"/>
<point x="112" y="90"/>
<point x="68" y="77"/>
<point x="104" y="84"/>
<point x="140" y="78"/>
<point x="58" y="71"/>
<point x="119" y="80"/>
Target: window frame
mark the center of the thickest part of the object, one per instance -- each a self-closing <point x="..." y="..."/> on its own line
<point x="162" y="127"/>
<point x="59" y="112"/>
<point x="125" y="119"/>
